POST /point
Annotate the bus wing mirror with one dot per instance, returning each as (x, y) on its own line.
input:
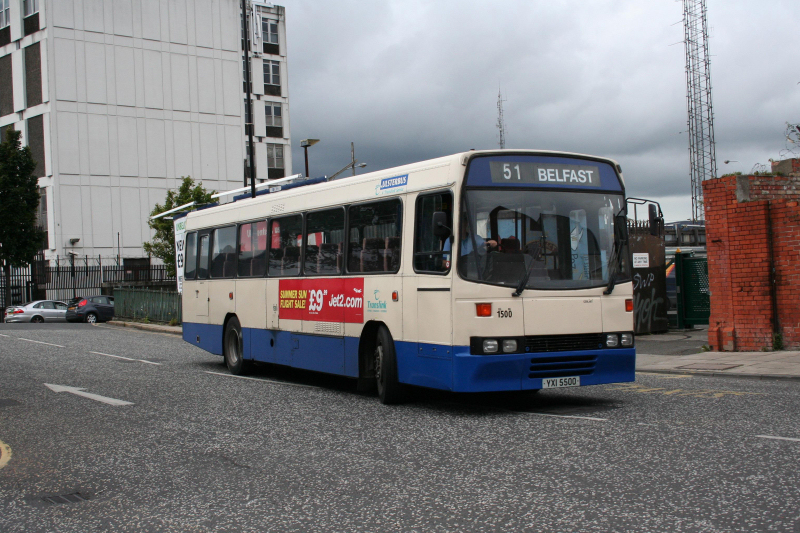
(440, 228)
(656, 221)
(620, 227)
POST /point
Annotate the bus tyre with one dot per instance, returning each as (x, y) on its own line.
(389, 389)
(232, 347)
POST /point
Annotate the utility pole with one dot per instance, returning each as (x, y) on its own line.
(702, 151)
(248, 108)
(353, 157)
(501, 125)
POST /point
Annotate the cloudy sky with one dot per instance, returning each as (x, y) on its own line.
(412, 80)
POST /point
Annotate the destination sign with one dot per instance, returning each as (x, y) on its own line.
(551, 174)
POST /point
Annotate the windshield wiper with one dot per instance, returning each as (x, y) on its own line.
(524, 281)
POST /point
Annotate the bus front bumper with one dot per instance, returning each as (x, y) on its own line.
(513, 372)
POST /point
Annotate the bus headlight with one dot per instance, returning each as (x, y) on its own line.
(509, 345)
(626, 339)
(490, 346)
(612, 340)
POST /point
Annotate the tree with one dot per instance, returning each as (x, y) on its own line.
(20, 239)
(163, 243)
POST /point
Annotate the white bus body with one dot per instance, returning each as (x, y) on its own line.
(365, 284)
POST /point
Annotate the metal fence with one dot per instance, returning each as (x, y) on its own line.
(63, 282)
(158, 306)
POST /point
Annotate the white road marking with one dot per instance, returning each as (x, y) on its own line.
(80, 392)
(571, 416)
(777, 438)
(41, 342)
(1, 335)
(262, 380)
(126, 358)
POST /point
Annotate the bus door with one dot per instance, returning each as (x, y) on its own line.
(201, 287)
(432, 260)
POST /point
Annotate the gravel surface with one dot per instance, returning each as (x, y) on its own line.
(284, 450)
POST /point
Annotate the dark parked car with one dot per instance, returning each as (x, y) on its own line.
(91, 309)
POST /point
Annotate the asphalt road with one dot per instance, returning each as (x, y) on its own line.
(200, 450)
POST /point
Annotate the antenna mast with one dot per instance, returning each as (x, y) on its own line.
(501, 124)
(702, 153)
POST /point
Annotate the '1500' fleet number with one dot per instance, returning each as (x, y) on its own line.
(504, 313)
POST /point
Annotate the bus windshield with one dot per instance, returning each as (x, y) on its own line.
(564, 238)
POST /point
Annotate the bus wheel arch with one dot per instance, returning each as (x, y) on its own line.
(232, 344)
(378, 362)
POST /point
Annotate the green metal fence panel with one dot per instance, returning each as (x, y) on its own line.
(139, 304)
(694, 301)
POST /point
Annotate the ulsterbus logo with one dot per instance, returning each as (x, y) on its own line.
(392, 185)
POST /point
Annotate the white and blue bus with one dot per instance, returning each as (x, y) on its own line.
(481, 271)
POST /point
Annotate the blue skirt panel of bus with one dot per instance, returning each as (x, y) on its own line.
(426, 365)
(205, 336)
(333, 355)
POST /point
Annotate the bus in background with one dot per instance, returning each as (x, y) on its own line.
(481, 271)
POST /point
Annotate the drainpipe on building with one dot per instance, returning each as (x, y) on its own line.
(249, 103)
(773, 297)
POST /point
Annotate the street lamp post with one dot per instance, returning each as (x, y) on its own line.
(305, 143)
(353, 164)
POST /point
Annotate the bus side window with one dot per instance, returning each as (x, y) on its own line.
(190, 262)
(252, 260)
(431, 252)
(202, 269)
(223, 254)
(323, 241)
(375, 231)
(285, 242)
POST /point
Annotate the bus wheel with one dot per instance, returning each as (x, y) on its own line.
(389, 389)
(232, 347)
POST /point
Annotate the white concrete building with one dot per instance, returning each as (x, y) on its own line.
(120, 98)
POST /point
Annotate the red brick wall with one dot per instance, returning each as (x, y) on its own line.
(743, 237)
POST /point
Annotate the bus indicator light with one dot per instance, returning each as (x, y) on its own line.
(483, 309)
(628, 305)
(395, 296)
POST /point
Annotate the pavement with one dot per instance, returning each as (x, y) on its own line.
(675, 352)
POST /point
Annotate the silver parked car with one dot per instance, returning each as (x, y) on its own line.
(38, 311)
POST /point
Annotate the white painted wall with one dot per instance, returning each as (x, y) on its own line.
(139, 98)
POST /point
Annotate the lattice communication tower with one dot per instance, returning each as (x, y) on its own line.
(501, 124)
(702, 153)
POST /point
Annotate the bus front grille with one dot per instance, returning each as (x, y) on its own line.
(562, 366)
(564, 343)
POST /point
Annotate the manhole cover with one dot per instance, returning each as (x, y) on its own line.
(75, 497)
(708, 366)
(6, 402)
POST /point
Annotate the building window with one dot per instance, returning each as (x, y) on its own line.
(248, 118)
(274, 119)
(244, 76)
(275, 155)
(33, 75)
(269, 36)
(6, 86)
(273, 114)
(29, 7)
(269, 29)
(272, 78)
(5, 15)
(41, 212)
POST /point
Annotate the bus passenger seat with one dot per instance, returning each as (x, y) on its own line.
(229, 266)
(510, 245)
(371, 253)
(312, 258)
(328, 259)
(391, 255)
(290, 264)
